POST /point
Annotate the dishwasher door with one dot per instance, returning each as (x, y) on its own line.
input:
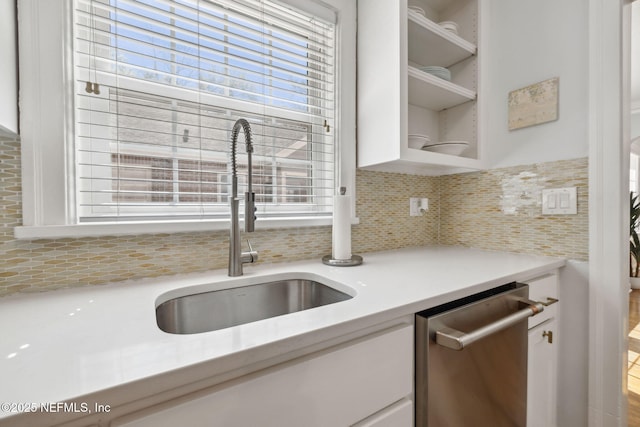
(471, 360)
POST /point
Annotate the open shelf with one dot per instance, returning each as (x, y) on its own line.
(396, 98)
(434, 93)
(422, 162)
(445, 47)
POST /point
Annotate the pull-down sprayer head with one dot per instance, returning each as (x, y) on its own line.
(249, 207)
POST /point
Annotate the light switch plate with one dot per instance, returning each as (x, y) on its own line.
(560, 201)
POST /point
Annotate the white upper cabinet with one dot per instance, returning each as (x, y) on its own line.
(8, 70)
(401, 94)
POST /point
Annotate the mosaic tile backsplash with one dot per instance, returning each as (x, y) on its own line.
(501, 209)
(497, 210)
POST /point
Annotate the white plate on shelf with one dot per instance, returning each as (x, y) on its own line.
(449, 26)
(437, 71)
(418, 10)
(454, 148)
(417, 141)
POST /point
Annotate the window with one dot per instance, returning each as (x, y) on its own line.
(126, 118)
(159, 85)
(633, 173)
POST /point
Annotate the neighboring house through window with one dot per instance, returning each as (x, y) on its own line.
(159, 85)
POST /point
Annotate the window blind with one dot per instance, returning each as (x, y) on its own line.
(159, 85)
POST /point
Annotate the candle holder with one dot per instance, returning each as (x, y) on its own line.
(353, 261)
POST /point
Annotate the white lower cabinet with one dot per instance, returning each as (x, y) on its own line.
(541, 372)
(340, 386)
(543, 356)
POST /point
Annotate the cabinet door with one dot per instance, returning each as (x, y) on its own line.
(541, 375)
(336, 387)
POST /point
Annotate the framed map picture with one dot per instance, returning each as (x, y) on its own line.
(534, 104)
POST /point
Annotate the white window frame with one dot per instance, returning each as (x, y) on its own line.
(634, 167)
(46, 122)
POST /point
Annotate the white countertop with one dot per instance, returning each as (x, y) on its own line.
(66, 344)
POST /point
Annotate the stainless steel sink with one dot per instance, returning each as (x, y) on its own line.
(210, 311)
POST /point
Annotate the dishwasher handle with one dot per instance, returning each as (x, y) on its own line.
(457, 340)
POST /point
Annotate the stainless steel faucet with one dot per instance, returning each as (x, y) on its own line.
(236, 256)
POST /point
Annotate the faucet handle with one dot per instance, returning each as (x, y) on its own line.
(249, 257)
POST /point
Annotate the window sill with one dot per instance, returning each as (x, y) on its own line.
(164, 227)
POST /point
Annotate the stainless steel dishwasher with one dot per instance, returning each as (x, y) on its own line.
(471, 360)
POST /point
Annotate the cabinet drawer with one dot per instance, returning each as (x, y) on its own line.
(338, 386)
(542, 290)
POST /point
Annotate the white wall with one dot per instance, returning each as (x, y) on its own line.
(531, 41)
(8, 75)
(635, 124)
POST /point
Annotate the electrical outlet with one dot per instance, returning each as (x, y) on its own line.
(418, 206)
(424, 205)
